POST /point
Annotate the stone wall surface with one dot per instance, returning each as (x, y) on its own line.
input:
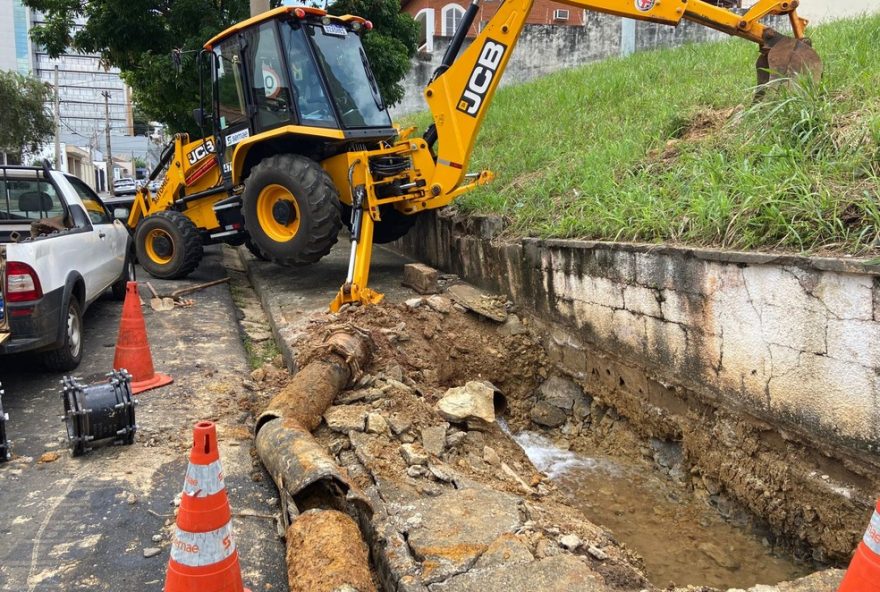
(791, 340)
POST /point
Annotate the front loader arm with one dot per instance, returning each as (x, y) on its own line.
(460, 93)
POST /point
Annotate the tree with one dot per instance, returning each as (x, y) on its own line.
(26, 123)
(138, 37)
(390, 45)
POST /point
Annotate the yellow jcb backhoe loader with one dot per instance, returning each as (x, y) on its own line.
(302, 139)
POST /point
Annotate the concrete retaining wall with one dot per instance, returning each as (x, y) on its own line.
(790, 340)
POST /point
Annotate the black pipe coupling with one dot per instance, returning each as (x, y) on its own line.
(98, 412)
(4, 443)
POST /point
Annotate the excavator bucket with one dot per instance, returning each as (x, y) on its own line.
(784, 57)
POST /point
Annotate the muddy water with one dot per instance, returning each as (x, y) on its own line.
(681, 538)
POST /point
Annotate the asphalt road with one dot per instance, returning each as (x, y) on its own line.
(77, 524)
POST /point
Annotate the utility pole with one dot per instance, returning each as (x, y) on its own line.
(90, 167)
(259, 6)
(57, 123)
(109, 158)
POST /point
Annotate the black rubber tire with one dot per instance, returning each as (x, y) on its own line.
(68, 356)
(255, 250)
(316, 199)
(186, 243)
(128, 275)
(394, 225)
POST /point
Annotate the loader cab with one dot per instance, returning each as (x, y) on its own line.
(299, 73)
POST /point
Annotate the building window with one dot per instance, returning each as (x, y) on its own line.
(452, 15)
(425, 19)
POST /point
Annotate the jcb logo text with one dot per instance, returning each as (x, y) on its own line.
(481, 77)
(200, 152)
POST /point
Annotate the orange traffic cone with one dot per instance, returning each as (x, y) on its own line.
(203, 554)
(132, 348)
(863, 574)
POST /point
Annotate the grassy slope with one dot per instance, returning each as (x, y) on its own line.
(587, 152)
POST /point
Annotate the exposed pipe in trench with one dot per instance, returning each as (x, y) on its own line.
(325, 549)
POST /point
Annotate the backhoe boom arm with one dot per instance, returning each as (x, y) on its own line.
(462, 89)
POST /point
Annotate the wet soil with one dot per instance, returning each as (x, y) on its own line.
(682, 539)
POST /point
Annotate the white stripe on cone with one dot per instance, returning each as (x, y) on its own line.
(872, 535)
(203, 480)
(198, 549)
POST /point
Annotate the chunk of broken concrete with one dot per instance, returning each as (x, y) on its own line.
(512, 326)
(413, 454)
(346, 418)
(562, 573)
(473, 403)
(507, 549)
(376, 424)
(421, 278)
(457, 527)
(398, 424)
(440, 304)
(434, 439)
(491, 457)
(491, 307)
(570, 541)
(560, 392)
(547, 415)
(413, 303)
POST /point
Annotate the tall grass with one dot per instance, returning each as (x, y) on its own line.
(611, 150)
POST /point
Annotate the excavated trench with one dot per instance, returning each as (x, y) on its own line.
(662, 487)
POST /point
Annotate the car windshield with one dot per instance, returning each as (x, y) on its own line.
(352, 84)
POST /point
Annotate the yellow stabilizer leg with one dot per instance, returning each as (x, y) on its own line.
(355, 287)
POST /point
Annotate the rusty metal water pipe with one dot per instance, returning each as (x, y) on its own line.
(325, 549)
(338, 365)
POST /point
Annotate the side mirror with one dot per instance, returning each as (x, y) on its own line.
(199, 116)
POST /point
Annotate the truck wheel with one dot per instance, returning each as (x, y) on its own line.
(394, 225)
(168, 245)
(255, 250)
(128, 275)
(68, 356)
(291, 210)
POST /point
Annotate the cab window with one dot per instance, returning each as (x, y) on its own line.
(268, 78)
(311, 98)
(230, 90)
(352, 83)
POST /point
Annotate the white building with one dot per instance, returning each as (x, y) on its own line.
(15, 44)
(82, 80)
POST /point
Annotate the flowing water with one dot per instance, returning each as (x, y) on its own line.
(681, 538)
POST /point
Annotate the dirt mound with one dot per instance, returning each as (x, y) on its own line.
(702, 126)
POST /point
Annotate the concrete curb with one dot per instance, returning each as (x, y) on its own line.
(273, 313)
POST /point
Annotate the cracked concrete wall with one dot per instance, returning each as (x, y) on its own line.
(791, 340)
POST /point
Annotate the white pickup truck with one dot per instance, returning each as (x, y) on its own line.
(59, 250)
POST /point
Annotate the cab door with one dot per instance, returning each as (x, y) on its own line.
(108, 245)
(232, 119)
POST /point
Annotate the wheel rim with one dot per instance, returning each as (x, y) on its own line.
(159, 246)
(74, 332)
(278, 213)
